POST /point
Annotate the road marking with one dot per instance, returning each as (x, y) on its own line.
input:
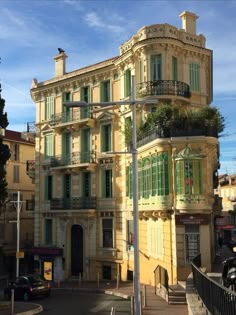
(101, 306)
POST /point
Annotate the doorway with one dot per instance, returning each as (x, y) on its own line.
(77, 250)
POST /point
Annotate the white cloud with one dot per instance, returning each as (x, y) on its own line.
(94, 20)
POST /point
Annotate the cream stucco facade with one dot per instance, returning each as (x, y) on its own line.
(83, 179)
(22, 148)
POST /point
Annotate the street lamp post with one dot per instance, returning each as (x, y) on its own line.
(18, 205)
(133, 102)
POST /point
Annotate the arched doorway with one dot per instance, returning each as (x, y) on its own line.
(77, 250)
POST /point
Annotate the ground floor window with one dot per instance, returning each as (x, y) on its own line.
(192, 242)
(107, 233)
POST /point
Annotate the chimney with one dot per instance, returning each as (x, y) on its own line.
(60, 63)
(189, 22)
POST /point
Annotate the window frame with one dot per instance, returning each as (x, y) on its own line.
(107, 231)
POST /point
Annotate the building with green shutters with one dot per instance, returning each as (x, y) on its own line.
(84, 181)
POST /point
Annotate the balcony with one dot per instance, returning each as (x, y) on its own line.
(30, 204)
(30, 169)
(177, 128)
(76, 159)
(163, 88)
(64, 120)
(75, 203)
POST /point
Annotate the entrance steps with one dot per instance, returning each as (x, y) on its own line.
(177, 294)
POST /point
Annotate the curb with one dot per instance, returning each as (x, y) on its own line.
(108, 292)
(38, 309)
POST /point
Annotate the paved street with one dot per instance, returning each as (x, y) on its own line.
(73, 302)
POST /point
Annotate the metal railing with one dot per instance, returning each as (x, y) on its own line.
(70, 116)
(71, 159)
(29, 205)
(163, 87)
(76, 203)
(161, 278)
(177, 128)
(217, 299)
(30, 166)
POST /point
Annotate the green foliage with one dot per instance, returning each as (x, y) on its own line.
(167, 120)
(4, 154)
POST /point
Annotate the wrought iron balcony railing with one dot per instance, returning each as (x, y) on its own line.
(30, 204)
(30, 166)
(176, 128)
(163, 87)
(74, 158)
(75, 203)
(67, 117)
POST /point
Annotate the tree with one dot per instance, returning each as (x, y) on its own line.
(4, 154)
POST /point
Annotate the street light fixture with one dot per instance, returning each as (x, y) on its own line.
(133, 102)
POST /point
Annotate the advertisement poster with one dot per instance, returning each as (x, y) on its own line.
(47, 267)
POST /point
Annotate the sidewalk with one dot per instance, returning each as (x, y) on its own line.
(154, 303)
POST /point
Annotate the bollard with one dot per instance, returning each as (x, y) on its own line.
(132, 305)
(98, 280)
(113, 311)
(117, 280)
(12, 301)
(58, 284)
(144, 296)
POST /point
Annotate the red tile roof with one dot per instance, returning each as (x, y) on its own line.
(17, 136)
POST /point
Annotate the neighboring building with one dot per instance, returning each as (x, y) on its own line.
(22, 147)
(83, 191)
(226, 222)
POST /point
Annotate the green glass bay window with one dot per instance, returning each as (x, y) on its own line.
(189, 177)
(153, 176)
(189, 171)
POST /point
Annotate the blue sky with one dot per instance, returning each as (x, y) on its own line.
(91, 31)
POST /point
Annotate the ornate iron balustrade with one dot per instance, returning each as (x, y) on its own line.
(66, 117)
(30, 166)
(31, 128)
(163, 87)
(76, 203)
(30, 204)
(177, 128)
(73, 159)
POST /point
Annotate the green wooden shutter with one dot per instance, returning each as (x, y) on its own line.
(86, 184)
(66, 110)
(178, 177)
(174, 69)
(48, 231)
(102, 91)
(156, 67)
(85, 96)
(108, 92)
(127, 81)
(66, 148)
(85, 146)
(194, 77)
(154, 175)
(48, 143)
(67, 191)
(140, 71)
